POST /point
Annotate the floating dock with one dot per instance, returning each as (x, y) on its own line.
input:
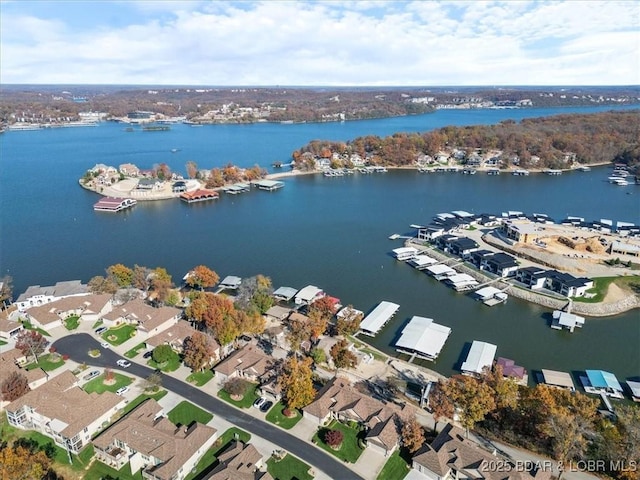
(200, 195)
(378, 317)
(113, 204)
(480, 355)
(423, 338)
(269, 185)
(237, 188)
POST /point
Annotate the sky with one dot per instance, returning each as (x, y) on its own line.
(328, 43)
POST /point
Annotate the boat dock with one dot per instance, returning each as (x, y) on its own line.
(491, 296)
(268, 185)
(423, 338)
(237, 188)
(200, 195)
(378, 317)
(112, 204)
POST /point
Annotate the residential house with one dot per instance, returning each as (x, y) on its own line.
(452, 455)
(463, 247)
(11, 362)
(149, 184)
(61, 410)
(249, 363)
(129, 170)
(175, 335)
(339, 400)
(8, 328)
(511, 370)
(239, 462)
(88, 307)
(179, 186)
(150, 320)
(532, 277)
(151, 444)
(36, 295)
(500, 263)
(566, 284)
(521, 231)
(275, 336)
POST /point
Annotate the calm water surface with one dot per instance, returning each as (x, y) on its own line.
(331, 232)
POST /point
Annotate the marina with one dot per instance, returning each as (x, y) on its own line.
(379, 316)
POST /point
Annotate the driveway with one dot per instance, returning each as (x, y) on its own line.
(78, 345)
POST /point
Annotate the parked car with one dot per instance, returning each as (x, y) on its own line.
(147, 354)
(266, 406)
(258, 403)
(122, 390)
(105, 344)
(101, 330)
(123, 363)
(92, 374)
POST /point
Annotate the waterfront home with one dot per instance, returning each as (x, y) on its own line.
(113, 204)
(285, 294)
(175, 335)
(566, 284)
(52, 315)
(405, 253)
(566, 320)
(378, 317)
(521, 231)
(179, 187)
(499, 263)
(64, 412)
(308, 295)
(36, 295)
(423, 337)
(12, 361)
(129, 170)
(249, 362)
(152, 444)
(532, 277)
(339, 400)
(239, 462)
(147, 184)
(601, 382)
(511, 370)
(557, 379)
(462, 247)
(8, 328)
(148, 319)
(479, 357)
(277, 313)
(452, 455)
(230, 282)
(488, 220)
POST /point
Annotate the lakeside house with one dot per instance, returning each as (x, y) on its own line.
(511, 370)
(148, 319)
(12, 361)
(89, 307)
(64, 412)
(175, 336)
(36, 295)
(152, 444)
(9, 329)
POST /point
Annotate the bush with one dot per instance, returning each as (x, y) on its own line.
(334, 438)
(236, 386)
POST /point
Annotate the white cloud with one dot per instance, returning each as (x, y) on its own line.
(332, 43)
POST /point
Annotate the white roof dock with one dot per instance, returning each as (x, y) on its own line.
(566, 320)
(557, 379)
(405, 253)
(486, 292)
(424, 337)
(635, 390)
(269, 185)
(308, 294)
(230, 282)
(480, 355)
(380, 315)
(421, 262)
(461, 281)
(285, 293)
(440, 271)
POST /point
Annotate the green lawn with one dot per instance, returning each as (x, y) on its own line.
(276, 417)
(395, 468)
(120, 334)
(200, 378)
(97, 384)
(2, 342)
(141, 398)
(172, 365)
(97, 324)
(28, 326)
(246, 401)
(185, 413)
(289, 468)
(209, 459)
(601, 285)
(349, 451)
(45, 362)
(99, 470)
(72, 322)
(134, 351)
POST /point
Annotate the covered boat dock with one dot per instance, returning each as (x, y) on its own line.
(422, 337)
(480, 355)
(269, 185)
(380, 315)
(557, 379)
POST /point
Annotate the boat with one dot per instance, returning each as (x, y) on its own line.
(584, 169)
(174, 150)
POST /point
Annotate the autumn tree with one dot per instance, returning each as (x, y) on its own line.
(6, 290)
(197, 307)
(236, 386)
(325, 306)
(251, 323)
(215, 178)
(140, 277)
(192, 169)
(161, 284)
(334, 438)
(255, 294)
(349, 323)
(162, 171)
(31, 342)
(109, 375)
(19, 463)
(199, 350)
(201, 277)
(120, 274)
(319, 356)
(14, 386)
(472, 399)
(342, 356)
(299, 331)
(100, 284)
(296, 382)
(412, 435)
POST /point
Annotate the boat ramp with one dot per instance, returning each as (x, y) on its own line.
(378, 317)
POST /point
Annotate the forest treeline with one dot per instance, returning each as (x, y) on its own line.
(547, 142)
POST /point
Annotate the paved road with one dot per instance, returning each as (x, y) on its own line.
(78, 345)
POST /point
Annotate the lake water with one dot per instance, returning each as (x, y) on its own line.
(330, 232)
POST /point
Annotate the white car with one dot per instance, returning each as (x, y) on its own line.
(105, 344)
(122, 390)
(123, 363)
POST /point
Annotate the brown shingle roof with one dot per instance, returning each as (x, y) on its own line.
(175, 335)
(238, 462)
(146, 315)
(144, 430)
(52, 311)
(248, 359)
(8, 365)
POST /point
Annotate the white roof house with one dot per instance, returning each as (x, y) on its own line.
(423, 336)
(480, 355)
(308, 294)
(378, 317)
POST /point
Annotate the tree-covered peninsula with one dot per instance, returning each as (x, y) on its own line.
(557, 142)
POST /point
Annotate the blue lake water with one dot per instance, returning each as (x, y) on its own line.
(330, 232)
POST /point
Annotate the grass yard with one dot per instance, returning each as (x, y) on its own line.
(47, 362)
(276, 417)
(200, 378)
(97, 384)
(185, 413)
(28, 326)
(99, 470)
(120, 334)
(134, 351)
(171, 366)
(97, 324)
(601, 285)
(209, 459)
(395, 468)
(72, 322)
(349, 451)
(289, 468)
(141, 398)
(247, 400)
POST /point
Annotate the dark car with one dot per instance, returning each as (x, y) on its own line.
(147, 355)
(266, 406)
